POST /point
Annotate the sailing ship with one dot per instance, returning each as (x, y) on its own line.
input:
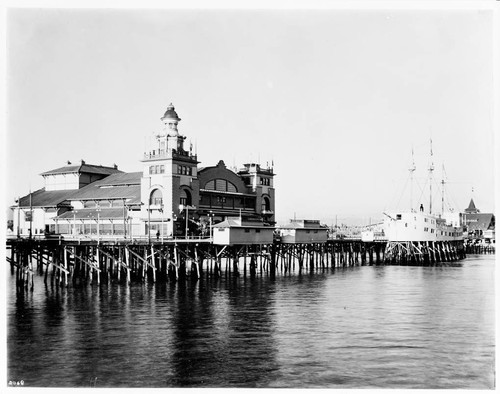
(416, 225)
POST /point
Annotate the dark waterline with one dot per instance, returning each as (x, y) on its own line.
(358, 327)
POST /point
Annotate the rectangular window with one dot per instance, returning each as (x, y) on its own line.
(151, 170)
(247, 230)
(162, 169)
(257, 230)
(398, 217)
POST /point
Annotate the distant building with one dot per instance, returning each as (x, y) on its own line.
(170, 196)
(479, 225)
(235, 231)
(303, 231)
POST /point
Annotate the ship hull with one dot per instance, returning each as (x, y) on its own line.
(419, 227)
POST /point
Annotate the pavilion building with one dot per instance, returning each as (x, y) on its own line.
(479, 225)
(171, 196)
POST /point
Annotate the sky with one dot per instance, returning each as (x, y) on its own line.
(336, 99)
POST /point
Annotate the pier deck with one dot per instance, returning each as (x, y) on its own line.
(74, 260)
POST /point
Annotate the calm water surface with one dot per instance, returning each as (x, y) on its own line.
(360, 327)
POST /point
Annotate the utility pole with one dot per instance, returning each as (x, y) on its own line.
(98, 210)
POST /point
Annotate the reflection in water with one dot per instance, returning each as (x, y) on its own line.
(358, 327)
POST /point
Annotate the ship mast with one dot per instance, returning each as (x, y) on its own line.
(442, 193)
(412, 170)
(431, 169)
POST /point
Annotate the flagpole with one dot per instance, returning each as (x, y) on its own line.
(31, 215)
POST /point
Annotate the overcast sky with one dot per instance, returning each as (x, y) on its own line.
(336, 99)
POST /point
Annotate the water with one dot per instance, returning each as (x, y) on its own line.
(359, 327)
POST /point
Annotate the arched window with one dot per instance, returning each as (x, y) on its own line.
(266, 204)
(156, 197)
(186, 197)
(221, 185)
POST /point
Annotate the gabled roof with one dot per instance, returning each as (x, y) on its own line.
(116, 186)
(472, 207)
(82, 168)
(479, 221)
(44, 199)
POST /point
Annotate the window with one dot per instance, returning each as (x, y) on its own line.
(231, 188)
(162, 169)
(221, 200)
(257, 230)
(398, 216)
(247, 230)
(221, 185)
(184, 170)
(266, 204)
(185, 198)
(156, 197)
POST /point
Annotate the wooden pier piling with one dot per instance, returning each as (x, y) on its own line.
(76, 262)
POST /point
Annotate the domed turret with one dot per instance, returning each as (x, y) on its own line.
(170, 113)
(171, 119)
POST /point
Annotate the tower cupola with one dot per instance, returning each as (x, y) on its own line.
(171, 120)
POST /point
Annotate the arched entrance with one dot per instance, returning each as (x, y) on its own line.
(186, 198)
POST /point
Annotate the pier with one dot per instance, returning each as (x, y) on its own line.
(65, 262)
